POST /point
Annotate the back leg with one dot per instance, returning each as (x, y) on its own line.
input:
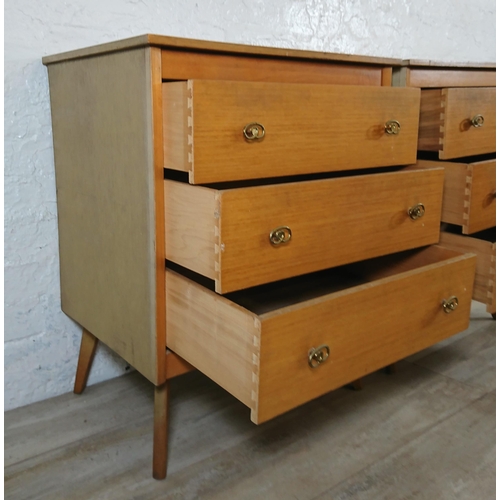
(87, 351)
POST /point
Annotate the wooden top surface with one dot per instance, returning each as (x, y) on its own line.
(169, 42)
(448, 64)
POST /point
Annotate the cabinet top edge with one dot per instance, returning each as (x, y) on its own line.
(422, 63)
(176, 43)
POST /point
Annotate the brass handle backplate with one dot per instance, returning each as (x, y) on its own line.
(318, 355)
(254, 131)
(282, 234)
(449, 305)
(392, 127)
(477, 121)
(416, 211)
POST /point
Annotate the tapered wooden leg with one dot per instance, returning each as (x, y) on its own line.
(357, 385)
(160, 438)
(87, 351)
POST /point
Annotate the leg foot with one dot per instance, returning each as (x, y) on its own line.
(87, 351)
(356, 385)
(160, 439)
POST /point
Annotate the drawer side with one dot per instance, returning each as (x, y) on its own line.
(485, 273)
(481, 204)
(218, 337)
(177, 127)
(192, 218)
(430, 120)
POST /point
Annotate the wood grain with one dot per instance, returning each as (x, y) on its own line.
(309, 128)
(485, 273)
(266, 362)
(429, 127)
(102, 110)
(176, 365)
(450, 77)
(469, 196)
(176, 148)
(454, 192)
(156, 107)
(160, 438)
(339, 322)
(219, 66)
(181, 44)
(445, 122)
(481, 209)
(192, 227)
(214, 335)
(333, 222)
(88, 347)
(459, 137)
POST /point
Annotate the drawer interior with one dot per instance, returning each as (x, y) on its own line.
(273, 296)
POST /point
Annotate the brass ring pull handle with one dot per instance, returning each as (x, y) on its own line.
(318, 355)
(254, 131)
(477, 121)
(392, 127)
(282, 234)
(417, 211)
(450, 305)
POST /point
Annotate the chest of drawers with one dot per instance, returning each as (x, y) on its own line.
(457, 130)
(252, 213)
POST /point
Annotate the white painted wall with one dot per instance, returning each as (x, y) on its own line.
(41, 343)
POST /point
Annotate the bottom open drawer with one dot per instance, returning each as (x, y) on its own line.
(258, 343)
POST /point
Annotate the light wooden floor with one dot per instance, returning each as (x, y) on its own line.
(426, 432)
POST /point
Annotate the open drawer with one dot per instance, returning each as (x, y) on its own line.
(224, 131)
(248, 236)
(483, 245)
(277, 346)
(469, 196)
(458, 122)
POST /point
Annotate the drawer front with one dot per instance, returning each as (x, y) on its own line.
(324, 224)
(301, 128)
(484, 247)
(365, 329)
(256, 343)
(481, 212)
(458, 122)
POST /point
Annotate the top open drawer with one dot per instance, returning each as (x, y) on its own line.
(458, 122)
(222, 130)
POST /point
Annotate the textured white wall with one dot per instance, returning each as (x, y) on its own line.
(41, 343)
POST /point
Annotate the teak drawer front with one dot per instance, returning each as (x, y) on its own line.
(262, 357)
(483, 245)
(308, 128)
(469, 196)
(226, 234)
(458, 122)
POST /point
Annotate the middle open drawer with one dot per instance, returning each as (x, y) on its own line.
(248, 236)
